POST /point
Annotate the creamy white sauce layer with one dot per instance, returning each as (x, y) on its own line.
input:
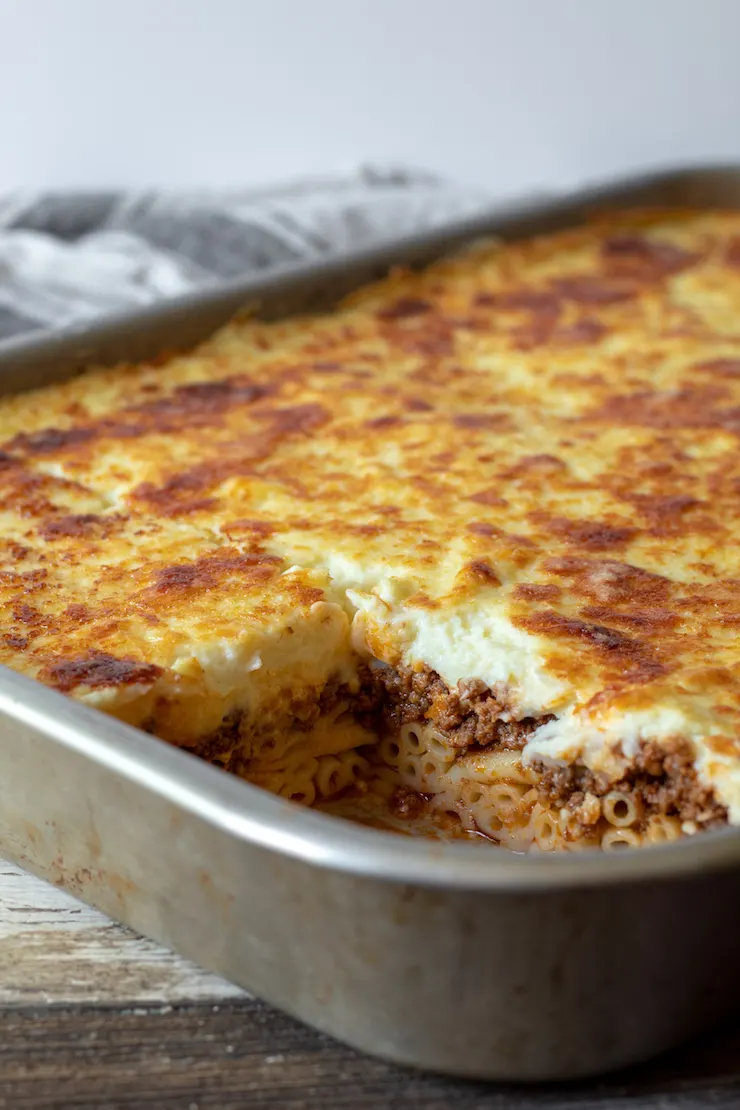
(258, 673)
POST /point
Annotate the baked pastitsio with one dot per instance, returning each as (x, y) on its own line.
(460, 557)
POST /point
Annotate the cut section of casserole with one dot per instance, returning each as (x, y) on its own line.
(460, 557)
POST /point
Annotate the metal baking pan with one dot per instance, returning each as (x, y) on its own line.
(446, 956)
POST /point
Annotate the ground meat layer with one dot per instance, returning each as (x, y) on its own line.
(240, 735)
(661, 779)
(470, 715)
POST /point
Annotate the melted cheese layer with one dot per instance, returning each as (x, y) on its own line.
(520, 466)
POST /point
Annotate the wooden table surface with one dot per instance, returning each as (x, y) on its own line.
(95, 1016)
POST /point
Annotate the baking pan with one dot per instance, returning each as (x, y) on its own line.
(452, 957)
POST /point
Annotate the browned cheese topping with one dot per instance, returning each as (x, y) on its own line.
(523, 463)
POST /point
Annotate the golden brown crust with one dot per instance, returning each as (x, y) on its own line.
(552, 424)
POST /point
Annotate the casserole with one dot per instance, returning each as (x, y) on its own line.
(594, 949)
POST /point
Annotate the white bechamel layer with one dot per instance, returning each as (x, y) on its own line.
(460, 643)
(258, 672)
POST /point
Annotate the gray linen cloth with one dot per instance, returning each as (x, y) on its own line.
(67, 257)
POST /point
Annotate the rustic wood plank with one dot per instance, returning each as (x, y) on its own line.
(55, 949)
(242, 1053)
(170, 1035)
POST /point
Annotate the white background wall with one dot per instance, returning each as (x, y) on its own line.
(506, 93)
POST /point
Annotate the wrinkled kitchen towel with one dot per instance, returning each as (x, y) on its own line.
(66, 257)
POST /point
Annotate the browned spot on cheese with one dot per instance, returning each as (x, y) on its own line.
(430, 344)
(367, 529)
(30, 494)
(404, 308)
(543, 463)
(536, 591)
(666, 513)
(325, 366)
(649, 621)
(97, 669)
(480, 570)
(74, 525)
(634, 656)
(205, 397)
(207, 572)
(540, 302)
(422, 600)
(488, 497)
(26, 613)
(77, 613)
(261, 528)
(180, 494)
(417, 404)
(544, 325)
(691, 407)
(732, 252)
(295, 418)
(483, 421)
(585, 330)
(48, 440)
(550, 623)
(537, 333)
(197, 404)
(645, 259)
(592, 535)
(482, 528)
(537, 313)
(17, 551)
(610, 581)
(592, 289)
(720, 368)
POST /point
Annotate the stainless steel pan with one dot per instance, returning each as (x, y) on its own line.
(446, 956)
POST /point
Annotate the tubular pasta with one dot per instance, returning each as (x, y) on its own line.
(620, 838)
(336, 772)
(272, 747)
(384, 780)
(410, 768)
(412, 739)
(487, 821)
(661, 828)
(545, 831)
(298, 774)
(439, 747)
(331, 776)
(489, 793)
(389, 750)
(492, 766)
(620, 809)
(506, 795)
